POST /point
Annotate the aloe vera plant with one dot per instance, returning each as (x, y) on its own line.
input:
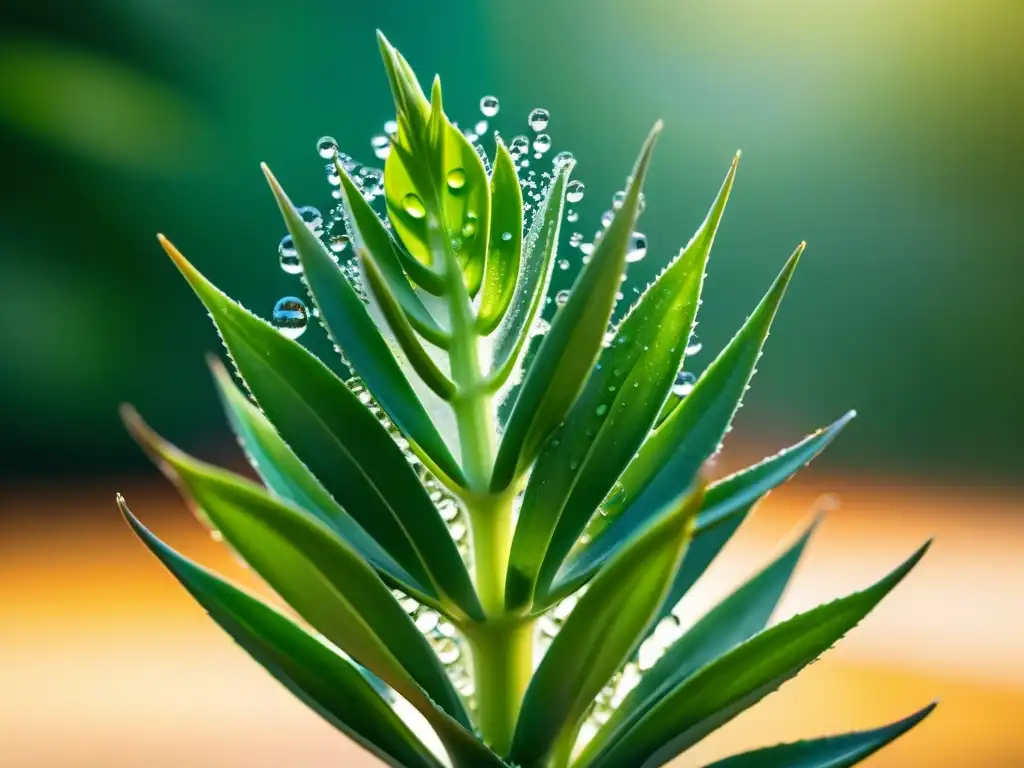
(508, 579)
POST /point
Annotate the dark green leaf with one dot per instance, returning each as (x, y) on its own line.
(611, 418)
(316, 674)
(569, 350)
(314, 571)
(674, 452)
(506, 242)
(603, 630)
(727, 500)
(398, 321)
(830, 752)
(739, 617)
(353, 330)
(740, 678)
(342, 443)
(531, 283)
(285, 475)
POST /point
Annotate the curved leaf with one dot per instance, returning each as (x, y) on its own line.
(603, 630)
(830, 752)
(730, 497)
(341, 442)
(743, 676)
(506, 242)
(612, 416)
(327, 683)
(353, 330)
(570, 349)
(739, 617)
(313, 570)
(285, 475)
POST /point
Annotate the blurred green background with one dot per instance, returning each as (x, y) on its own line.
(887, 133)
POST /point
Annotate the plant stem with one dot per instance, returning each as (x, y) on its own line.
(502, 666)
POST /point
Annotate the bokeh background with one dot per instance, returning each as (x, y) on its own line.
(887, 133)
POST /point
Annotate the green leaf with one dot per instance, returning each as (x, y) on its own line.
(727, 500)
(398, 321)
(830, 752)
(321, 678)
(612, 417)
(353, 330)
(342, 443)
(531, 283)
(506, 242)
(743, 676)
(603, 630)
(736, 619)
(285, 475)
(369, 231)
(674, 452)
(570, 349)
(313, 570)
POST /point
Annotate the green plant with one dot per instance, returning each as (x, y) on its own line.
(590, 497)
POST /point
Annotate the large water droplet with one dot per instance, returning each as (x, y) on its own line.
(562, 297)
(684, 384)
(694, 348)
(506, 236)
(469, 226)
(561, 159)
(542, 143)
(338, 243)
(637, 247)
(289, 256)
(381, 146)
(290, 317)
(538, 119)
(618, 199)
(489, 106)
(456, 179)
(327, 147)
(574, 191)
(414, 206)
(518, 146)
(575, 239)
(312, 217)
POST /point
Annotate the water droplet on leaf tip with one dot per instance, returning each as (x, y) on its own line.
(327, 147)
(290, 316)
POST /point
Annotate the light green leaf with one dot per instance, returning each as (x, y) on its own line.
(285, 475)
(728, 499)
(692, 432)
(741, 677)
(342, 443)
(736, 619)
(398, 321)
(321, 678)
(353, 330)
(506, 242)
(603, 630)
(611, 418)
(531, 283)
(569, 350)
(830, 752)
(313, 570)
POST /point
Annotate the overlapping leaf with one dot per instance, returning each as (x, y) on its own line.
(572, 345)
(506, 242)
(611, 417)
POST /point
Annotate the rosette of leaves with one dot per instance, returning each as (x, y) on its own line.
(587, 491)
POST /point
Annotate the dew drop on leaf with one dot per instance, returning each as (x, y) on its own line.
(312, 217)
(456, 179)
(637, 247)
(562, 297)
(338, 243)
(518, 146)
(290, 317)
(576, 239)
(574, 191)
(684, 384)
(618, 199)
(289, 256)
(489, 106)
(327, 147)
(381, 146)
(542, 143)
(606, 218)
(563, 264)
(413, 206)
(506, 236)
(572, 217)
(538, 119)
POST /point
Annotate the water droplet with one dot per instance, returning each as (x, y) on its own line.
(694, 348)
(333, 177)
(637, 247)
(447, 651)
(414, 206)
(606, 218)
(561, 159)
(574, 191)
(381, 146)
(542, 143)
(562, 297)
(538, 119)
(601, 410)
(575, 239)
(489, 106)
(480, 128)
(312, 217)
(618, 199)
(456, 243)
(518, 146)
(572, 217)
(426, 620)
(327, 147)
(289, 256)
(391, 127)
(338, 243)
(469, 226)
(563, 264)
(506, 236)
(586, 249)
(684, 384)
(290, 317)
(456, 179)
